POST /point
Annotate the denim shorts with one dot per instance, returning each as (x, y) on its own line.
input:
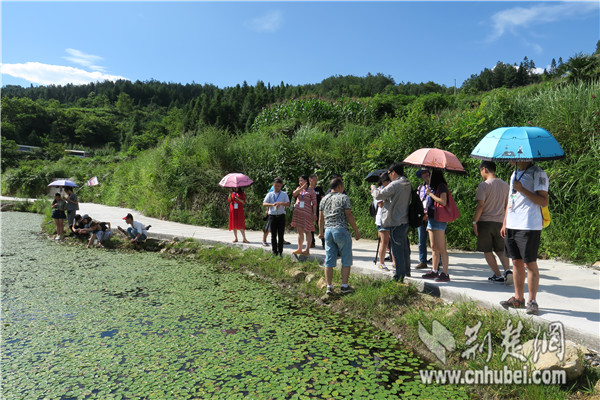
(382, 229)
(433, 225)
(338, 241)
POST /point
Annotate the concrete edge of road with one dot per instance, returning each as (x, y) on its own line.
(445, 293)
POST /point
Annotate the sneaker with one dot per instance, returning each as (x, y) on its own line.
(265, 244)
(532, 307)
(383, 267)
(329, 291)
(286, 242)
(443, 278)
(421, 265)
(346, 290)
(495, 278)
(508, 277)
(513, 303)
(430, 275)
(57, 237)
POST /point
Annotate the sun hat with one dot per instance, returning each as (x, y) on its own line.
(420, 172)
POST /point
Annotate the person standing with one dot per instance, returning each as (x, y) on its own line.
(422, 230)
(382, 232)
(58, 214)
(277, 201)
(336, 213)
(394, 216)
(492, 197)
(522, 228)
(237, 219)
(305, 213)
(313, 180)
(72, 205)
(438, 192)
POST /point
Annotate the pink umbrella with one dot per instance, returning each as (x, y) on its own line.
(235, 179)
(435, 158)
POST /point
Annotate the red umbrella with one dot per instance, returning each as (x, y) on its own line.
(435, 158)
(235, 179)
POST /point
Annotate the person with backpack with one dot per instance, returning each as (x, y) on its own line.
(396, 197)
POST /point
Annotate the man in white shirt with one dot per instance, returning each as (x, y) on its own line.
(522, 229)
(136, 232)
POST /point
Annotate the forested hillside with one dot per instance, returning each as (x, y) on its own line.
(162, 148)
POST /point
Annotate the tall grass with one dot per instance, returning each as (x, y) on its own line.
(178, 179)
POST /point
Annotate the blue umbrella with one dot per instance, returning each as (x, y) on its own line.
(527, 143)
(63, 182)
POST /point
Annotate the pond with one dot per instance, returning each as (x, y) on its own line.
(94, 323)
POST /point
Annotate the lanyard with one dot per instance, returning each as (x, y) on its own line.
(277, 198)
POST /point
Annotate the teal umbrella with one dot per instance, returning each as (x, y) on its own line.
(525, 143)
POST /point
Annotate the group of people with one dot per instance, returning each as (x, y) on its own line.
(507, 221)
(64, 207)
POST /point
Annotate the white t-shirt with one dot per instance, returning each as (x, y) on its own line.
(139, 227)
(378, 218)
(522, 213)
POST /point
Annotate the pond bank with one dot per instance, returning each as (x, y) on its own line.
(568, 292)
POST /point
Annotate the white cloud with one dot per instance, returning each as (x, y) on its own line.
(46, 74)
(85, 60)
(270, 22)
(513, 19)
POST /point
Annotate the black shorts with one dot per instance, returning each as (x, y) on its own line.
(522, 245)
(488, 236)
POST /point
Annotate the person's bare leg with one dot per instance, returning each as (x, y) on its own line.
(345, 275)
(435, 254)
(235, 234)
(505, 261)
(329, 276)
(519, 279)
(491, 262)
(244, 236)
(533, 280)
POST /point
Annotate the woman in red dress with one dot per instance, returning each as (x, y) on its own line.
(305, 213)
(237, 199)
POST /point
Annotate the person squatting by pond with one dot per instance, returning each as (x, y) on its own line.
(394, 216)
(522, 228)
(136, 232)
(305, 213)
(336, 213)
(437, 193)
(59, 205)
(100, 232)
(277, 201)
(237, 219)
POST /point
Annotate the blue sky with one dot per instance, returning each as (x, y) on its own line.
(226, 43)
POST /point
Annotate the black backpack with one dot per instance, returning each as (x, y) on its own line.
(373, 210)
(415, 210)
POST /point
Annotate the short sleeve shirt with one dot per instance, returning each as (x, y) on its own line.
(522, 213)
(334, 206)
(71, 206)
(273, 197)
(493, 192)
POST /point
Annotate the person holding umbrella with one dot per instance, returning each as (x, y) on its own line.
(522, 228)
(237, 199)
(528, 194)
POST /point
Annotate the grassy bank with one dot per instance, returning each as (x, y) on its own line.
(177, 179)
(396, 308)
